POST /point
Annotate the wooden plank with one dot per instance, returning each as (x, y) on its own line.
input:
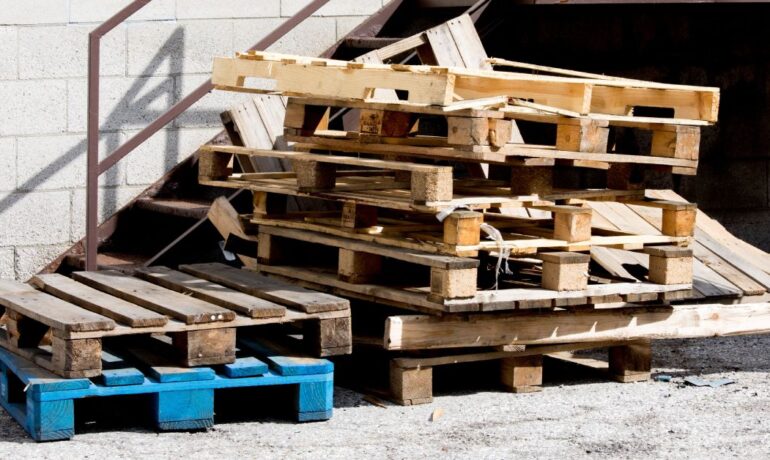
(690, 321)
(267, 288)
(97, 301)
(54, 312)
(161, 300)
(468, 43)
(248, 305)
(425, 259)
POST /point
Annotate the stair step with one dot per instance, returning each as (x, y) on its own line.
(175, 207)
(124, 262)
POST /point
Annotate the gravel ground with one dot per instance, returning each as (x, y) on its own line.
(578, 415)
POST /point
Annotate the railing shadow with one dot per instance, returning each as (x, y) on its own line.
(130, 111)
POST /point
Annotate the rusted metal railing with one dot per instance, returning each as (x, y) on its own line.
(96, 168)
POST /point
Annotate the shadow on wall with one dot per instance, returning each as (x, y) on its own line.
(130, 111)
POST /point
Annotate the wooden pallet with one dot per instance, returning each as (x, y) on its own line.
(460, 233)
(432, 85)
(62, 327)
(520, 368)
(438, 283)
(400, 185)
(179, 398)
(486, 130)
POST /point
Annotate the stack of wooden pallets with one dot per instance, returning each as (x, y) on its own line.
(174, 335)
(428, 199)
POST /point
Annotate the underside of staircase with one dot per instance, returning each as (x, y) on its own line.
(167, 223)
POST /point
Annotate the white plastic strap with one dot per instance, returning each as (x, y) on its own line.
(502, 253)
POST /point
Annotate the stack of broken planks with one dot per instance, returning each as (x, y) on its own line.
(64, 324)
(429, 200)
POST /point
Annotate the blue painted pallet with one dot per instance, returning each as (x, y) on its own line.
(183, 398)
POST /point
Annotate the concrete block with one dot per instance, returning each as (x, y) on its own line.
(31, 259)
(7, 164)
(334, 7)
(62, 52)
(175, 48)
(35, 218)
(7, 264)
(111, 199)
(33, 107)
(322, 30)
(9, 54)
(206, 9)
(57, 162)
(205, 113)
(14, 12)
(101, 10)
(126, 103)
(247, 32)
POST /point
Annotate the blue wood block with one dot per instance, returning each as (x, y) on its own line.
(122, 377)
(314, 397)
(245, 367)
(289, 365)
(50, 420)
(314, 416)
(184, 410)
(181, 374)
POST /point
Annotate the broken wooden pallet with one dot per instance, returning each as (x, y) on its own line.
(432, 85)
(200, 316)
(481, 125)
(466, 233)
(438, 283)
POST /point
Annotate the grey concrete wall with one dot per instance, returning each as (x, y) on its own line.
(148, 64)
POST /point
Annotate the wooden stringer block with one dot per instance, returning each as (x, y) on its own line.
(565, 271)
(670, 265)
(214, 165)
(522, 374)
(632, 362)
(572, 225)
(386, 123)
(358, 216)
(314, 176)
(453, 283)
(358, 267)
(528, 180)
(206, 347)
(676, 142)
(679, 222)
(75, 356)
(433, 186)
(411, 386)
(328, 337)
(583, 135)
(463, 228)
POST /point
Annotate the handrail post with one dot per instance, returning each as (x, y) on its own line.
(92, 160)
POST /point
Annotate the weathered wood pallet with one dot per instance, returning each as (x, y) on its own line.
(466, 233)
(432, 85)
(520, 368)
(482, 126)
(179, 398)
(438, 283)
(62, 327)
(405, 185)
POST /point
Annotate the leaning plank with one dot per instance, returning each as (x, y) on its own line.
(680, 322)
(97, 301)
(161, 300)
(267, 288)
(248, 305)
(54, 312)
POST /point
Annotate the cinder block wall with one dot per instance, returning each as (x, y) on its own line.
(148, 64)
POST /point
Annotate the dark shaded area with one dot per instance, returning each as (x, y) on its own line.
(721, 45)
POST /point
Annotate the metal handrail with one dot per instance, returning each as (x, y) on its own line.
(95, 168)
